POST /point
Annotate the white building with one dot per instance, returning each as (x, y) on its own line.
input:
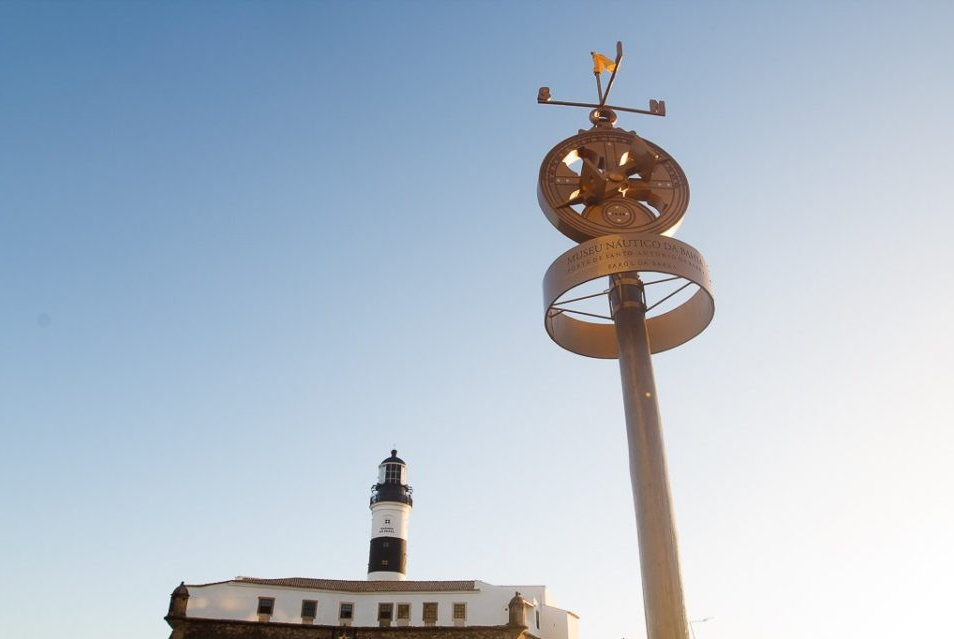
(333, 602)
(386, 599)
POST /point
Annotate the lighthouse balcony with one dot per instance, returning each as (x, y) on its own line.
(384, 495)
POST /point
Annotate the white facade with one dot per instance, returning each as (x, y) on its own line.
(484, 604)
(389, 519)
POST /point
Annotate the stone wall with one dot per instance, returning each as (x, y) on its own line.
(197, 628)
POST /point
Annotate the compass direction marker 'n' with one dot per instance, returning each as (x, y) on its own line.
(622, 198)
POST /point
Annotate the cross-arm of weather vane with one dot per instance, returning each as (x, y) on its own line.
(656, 107)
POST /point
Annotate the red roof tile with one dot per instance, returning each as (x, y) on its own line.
(356, 586)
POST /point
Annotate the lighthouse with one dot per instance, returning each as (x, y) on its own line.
(379, 608)
(390, 509)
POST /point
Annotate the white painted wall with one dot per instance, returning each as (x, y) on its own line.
(557, 623)
(486, 606)
(389, 519)
(387, 576)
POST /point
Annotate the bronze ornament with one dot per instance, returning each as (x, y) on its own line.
(608, 180)
(618, 254)
(622, 197)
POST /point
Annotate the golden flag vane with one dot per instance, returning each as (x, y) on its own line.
(602, 111)
(602, 63)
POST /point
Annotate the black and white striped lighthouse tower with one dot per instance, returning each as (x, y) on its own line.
(390, 509)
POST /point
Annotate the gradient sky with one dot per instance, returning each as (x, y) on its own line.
(246, 248)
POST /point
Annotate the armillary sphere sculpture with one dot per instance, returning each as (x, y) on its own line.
(622, 197)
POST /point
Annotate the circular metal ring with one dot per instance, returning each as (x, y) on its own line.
(622, 253)
(615, 167)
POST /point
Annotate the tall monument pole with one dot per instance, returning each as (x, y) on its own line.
(622, 197)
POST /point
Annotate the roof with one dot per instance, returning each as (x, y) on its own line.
(394, 459)
(344, 585)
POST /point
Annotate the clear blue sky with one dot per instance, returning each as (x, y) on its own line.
(246, 248)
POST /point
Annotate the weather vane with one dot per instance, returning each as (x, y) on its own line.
(625, 183)
(602, 63)
(622, 198)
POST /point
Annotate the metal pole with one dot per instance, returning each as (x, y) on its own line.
(658, 555)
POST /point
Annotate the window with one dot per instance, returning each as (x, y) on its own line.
(460, 611)
(309, 608)
(266, 605)
(392, 473)
(430, 612)
(538, 618)
(346, 611)
(384, 562)
(385, 611)
(404, 611)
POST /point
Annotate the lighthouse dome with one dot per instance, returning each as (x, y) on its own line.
(394, 459)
